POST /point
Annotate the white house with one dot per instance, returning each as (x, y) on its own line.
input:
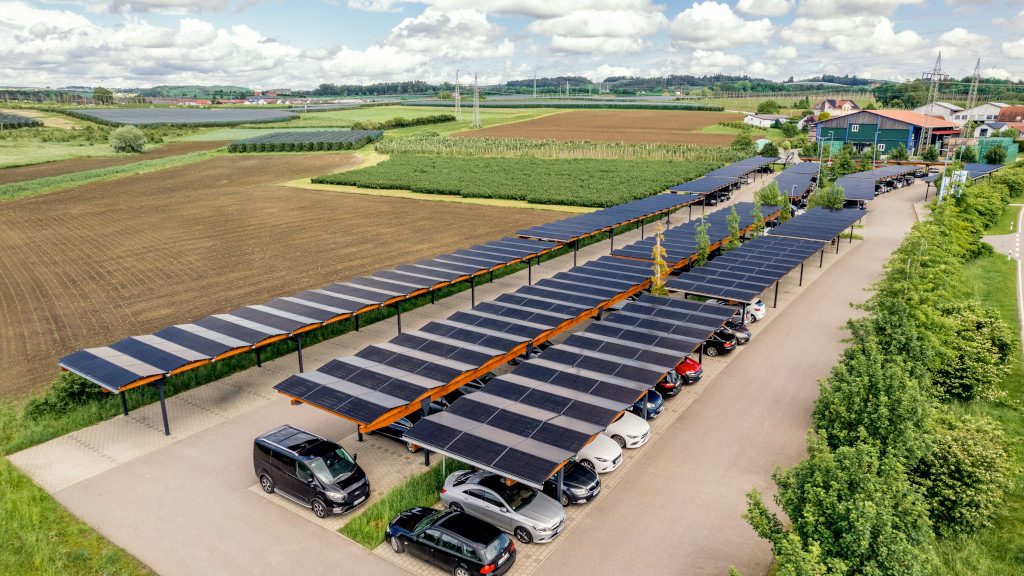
(764, 120)
(982, 113)
(988, 128)
(944, 110)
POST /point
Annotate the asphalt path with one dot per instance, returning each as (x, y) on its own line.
(678, 512)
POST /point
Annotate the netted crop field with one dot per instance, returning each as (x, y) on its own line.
(573, 182)
(9, 121)
(305, 141)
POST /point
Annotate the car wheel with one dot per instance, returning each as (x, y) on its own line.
(587, 464)
(456, 506)
(461, 571)
(620, 440)
(397, 545)
(411, 447)
(319, 508)
(565, 500)
(753, 318)
(523, 535)
(712, 351)
(267, 483)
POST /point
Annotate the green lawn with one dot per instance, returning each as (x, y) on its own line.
(1007, 223)
(22, 153)
(999, 549)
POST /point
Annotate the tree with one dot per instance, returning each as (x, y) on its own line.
(744, 143)
(127, 139)
(733, 221)
(828, 197)
(824, 116)
(770, 150)
(843, 164)
(786, 214)
(972, 352)
(103, 96)
(789, 130)
(897, 103)
(703, 242)
(660, 268)
(967, 155)
(768, 107)
(995, 155)
(769, 195)
(900, 153)
(755, 213)
(930, 154)
(871, 106)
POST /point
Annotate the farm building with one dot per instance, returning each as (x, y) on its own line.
(883, 129)
(835, 107)
(988, 128)
(1011, 114)
(943, 110)
(981, 113)
(764, 120)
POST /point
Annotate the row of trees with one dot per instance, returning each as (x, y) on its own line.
(896, 456)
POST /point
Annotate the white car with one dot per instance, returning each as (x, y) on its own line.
(629, 431)
(756, 310)
(602, 454)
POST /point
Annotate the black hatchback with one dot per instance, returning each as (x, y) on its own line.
(453, 541)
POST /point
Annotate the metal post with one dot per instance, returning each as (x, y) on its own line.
(575, 249)
(644, 405)
(529, 270)
(561, 478)
(124, 402)
(529, 350)
(776, 303)
(444, 466)
(600, 313)
(359, 433)
(837, 244)
(642, 227)
(163, 405)
(700, 354)
(689, 216)
(472, 291)
(851, 234)
(822, 260)
(259, 364)
(611, 236)
(743, 312)
(669, 218)
(298, 342)
(801, 274)
(398, 306)
(357, 322)
(432, 292)
(492, 276)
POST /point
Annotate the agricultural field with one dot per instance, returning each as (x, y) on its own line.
(90, 265)
(573, 182)
(50, 119)
(307, 141)
(142, 116)
(635, 126)
(345, 118)
(10, 121)
(62, 167)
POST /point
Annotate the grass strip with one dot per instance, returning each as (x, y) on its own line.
(418, 490)
(41, 537)
(1006, 221)
(998, 549)
(43, 185)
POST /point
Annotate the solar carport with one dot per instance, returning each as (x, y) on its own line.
(526, 424)
(978, 171)
(861, 185)
(798, 179)
(820, 224)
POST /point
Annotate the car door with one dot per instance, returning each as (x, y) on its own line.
(477, 498)
(284, 474)
(495, 505)
(425, 543)
(448, 553)
(305, 486)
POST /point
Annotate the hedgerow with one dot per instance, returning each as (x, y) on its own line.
(400, 122)
(11, 121)
(306, 141)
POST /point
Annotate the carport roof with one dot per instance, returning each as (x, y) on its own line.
(819, 223)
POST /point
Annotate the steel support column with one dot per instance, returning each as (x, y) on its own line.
(561, 479)
(575, 249)
(259, 363)
(472, 291)
(163, 405)
(822, 259)
(425, 407)
(801, 273)
(529, 270)
(357, 322)
(398, 306)
(776, 303)
(298, 342)
(124, 402)
(359, 433)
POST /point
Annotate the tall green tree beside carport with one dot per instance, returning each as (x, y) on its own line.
(733, 220)
(660, 267)
(755, 212)
(703, 242)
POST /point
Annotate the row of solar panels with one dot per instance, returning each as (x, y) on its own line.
(723, 178)
(680, 243)
(387, 379)
(583, 225)
(142, 359)
(798, 179)
(526, 424)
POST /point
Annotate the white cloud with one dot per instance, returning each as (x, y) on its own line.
(1015, 23)
(601, 23)
(375, 5)
(179, 7)
(711, 25)
(841, 8)
(712, 62)
(454, 35)
(598, 45)
(546, 8)
(782, 53)
(1014, 49)
(999, 73)
(764, 7)
(762, 70)
(960, 42)
(861, 34)
(606, 71)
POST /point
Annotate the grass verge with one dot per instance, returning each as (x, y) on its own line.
(1006, 222)
(419, 490)
(998, 549)
(43, 185)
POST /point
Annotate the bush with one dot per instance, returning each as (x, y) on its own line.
(973, 352)
(744, 143)
(967, 155)
(770, 150)
(900, 153)
(995, 155)
(930, 154)
(67, 391)
(127, 139)
(768, 107)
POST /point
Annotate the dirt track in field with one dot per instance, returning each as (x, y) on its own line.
(61, 167)
(633, 126)
(88, 266)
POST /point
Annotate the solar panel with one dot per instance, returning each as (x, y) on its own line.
(818, 223)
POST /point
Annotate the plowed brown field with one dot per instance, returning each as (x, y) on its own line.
(91, 265)
(632, 126)
(61, 167)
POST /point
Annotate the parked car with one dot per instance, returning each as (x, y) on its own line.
(709, 200)
(688, 371)
(579, 484)
(309, 470)
(396, 429)
(908, 179)
(920, 173)
(536, 352)
(756, 309)
(517, 509)
(655, 405)
(738, 331)
(453, 541)
(628, 431)
(719, 343)
(601, 455)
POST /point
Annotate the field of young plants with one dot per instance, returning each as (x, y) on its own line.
(306, 141)
(574, 182)
(8, 121)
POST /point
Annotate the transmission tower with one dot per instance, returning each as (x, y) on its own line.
(972, 99)
(933, 78)
(458, 99)
(476, 105)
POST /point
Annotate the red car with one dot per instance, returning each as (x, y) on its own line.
(688, 371)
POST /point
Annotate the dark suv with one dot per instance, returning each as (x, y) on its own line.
(453, 541)
(309, 470)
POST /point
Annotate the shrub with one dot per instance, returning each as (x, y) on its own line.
(768, 107)
(127, 139)
(769, 150)
(900, 153)
(930, 154)
(995, 155)
(67, 391)
(973, 352)
(744, 143)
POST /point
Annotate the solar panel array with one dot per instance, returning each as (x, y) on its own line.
(706, 185)
(527, 423)
(467, 344)
(757, 161)
(857, 188)
(883, 173)
(798, 179)
(139, 360)
(583, 225)
(680, 242)
(743, 273)
(977, 171)
(819, 223)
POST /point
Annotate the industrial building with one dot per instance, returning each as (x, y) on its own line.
(883, 130)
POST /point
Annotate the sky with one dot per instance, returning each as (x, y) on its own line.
(265, 44)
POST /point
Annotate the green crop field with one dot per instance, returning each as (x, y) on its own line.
(574, 182)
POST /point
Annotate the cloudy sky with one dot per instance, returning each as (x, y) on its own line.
(273, 43)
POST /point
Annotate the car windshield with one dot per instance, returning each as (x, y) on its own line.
(495, 547)
(429, 520)
(332, 466)
(518, 495)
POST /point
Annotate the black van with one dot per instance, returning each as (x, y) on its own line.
(309, 470)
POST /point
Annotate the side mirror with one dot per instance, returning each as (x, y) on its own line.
(503, 510)
(355, 457)
(311, 482)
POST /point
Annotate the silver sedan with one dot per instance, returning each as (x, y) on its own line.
(525, 513)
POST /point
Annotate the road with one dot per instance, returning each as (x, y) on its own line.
(678, 512)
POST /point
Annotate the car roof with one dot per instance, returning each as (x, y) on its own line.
(296, 440)
(470, 528)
